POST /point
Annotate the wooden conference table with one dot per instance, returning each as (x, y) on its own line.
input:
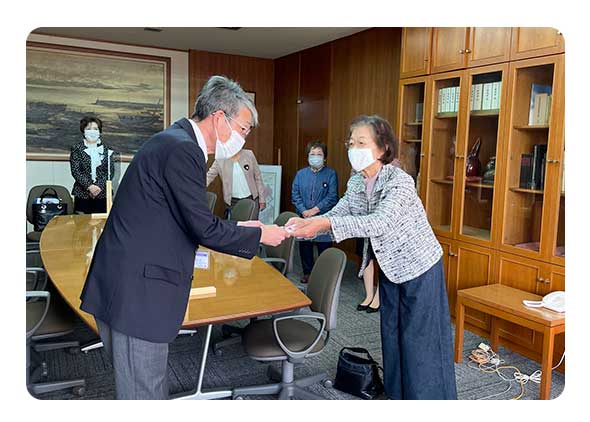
(244, 288)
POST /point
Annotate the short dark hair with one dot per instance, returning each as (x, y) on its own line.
(384, 136)
(86, 120)
(317, 144)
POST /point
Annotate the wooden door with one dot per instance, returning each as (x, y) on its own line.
(556, 279)
(447, 258)
(415, 57)
(524, 274)
(448, 49)
(488, 46)
(474, 268)
(535, 42)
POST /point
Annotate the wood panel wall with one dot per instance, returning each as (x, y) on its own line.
(336, 82)
(254, 75)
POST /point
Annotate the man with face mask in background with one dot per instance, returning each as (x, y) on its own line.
(139, 280)
(314, 191)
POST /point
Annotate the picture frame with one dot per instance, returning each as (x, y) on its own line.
(271, 179)
(129, 92)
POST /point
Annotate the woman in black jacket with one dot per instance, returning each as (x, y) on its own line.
(91, 164)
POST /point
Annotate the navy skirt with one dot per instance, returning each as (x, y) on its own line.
(416, 337)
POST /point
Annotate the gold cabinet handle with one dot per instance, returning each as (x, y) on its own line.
(422, 155)
(459, 156)
(461, 51)
(452, 254)
(543, 280)
(553, 161)
(467, 51)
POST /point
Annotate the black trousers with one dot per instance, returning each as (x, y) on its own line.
(89, 206)
(306, 252)
(416, 337)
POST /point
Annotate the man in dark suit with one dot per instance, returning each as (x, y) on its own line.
(138, 284)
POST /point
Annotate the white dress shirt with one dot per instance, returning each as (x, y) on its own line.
(200, 138)
(240, 188)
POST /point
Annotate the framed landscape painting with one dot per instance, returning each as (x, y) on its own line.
(130, 93)
(271, 179)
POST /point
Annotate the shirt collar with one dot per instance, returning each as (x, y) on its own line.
(200, 137)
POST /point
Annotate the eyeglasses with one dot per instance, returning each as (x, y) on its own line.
(356, 143)
(245, 129)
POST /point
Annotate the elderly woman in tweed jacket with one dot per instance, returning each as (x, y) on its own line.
(381, 204)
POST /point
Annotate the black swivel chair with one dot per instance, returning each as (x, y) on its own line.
(211, 200)
(288, 338)
(243, 210)
(46, 320)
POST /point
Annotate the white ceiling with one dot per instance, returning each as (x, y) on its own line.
(268, 43)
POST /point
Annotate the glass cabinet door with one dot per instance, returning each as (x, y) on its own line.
(411, 149)
(444, 135)
(532, 86)
(482, 140)
(559, 249)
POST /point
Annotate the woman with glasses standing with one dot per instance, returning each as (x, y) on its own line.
(314, 191)
(91, 165)
(381, 204)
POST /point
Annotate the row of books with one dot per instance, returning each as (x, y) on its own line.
(486, 96)
(532, 168)
(483, 97)
(540, 104)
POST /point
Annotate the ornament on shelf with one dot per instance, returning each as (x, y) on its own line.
(473, 164)
(489, 172)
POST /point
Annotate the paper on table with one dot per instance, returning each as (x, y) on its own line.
(202, 260)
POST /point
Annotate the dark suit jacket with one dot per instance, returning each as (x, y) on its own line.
(140, 276)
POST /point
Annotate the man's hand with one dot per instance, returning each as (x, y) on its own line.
(250, 223)
(94, 190)
(273, 235)
(307, 228)
(262, 205)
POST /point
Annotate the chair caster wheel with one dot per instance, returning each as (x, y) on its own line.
(79, 391)
(327, 383)
(225, 331)
(238, 398)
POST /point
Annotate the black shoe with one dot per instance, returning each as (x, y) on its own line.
(371, 310)
(361, 307)
(305, 279)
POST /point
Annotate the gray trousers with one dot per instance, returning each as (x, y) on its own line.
(140, 366)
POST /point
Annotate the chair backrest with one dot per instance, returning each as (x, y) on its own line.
(211, 199)
(324, 284)
(243, 210)
(287, 248)
(36, 192)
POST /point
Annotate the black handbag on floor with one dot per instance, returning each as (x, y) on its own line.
(358, 375)
(47, 206)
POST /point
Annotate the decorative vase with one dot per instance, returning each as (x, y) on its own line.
(489, 172)
(473, 163)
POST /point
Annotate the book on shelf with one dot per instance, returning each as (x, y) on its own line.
(539, 157)
(486, 102)
(419, 112)
(476, 93)
(451, 103)
(457, 95)
(496, 95)
(540, 109)
(526, 171)
(537, 91)
(439, 102)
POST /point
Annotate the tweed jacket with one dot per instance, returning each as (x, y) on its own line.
(393, 219)
(80, 168)
(224, 168)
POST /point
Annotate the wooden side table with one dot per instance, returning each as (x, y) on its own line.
(505, 303)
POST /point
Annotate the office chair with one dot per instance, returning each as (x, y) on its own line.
(280, 257)
(211, 200)
(243, 210)
(36, 192)
(47, 319)
(286, 338)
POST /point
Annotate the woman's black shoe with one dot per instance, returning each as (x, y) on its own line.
(371, 310)
(361, 307)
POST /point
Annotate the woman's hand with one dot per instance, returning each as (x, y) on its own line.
(310, 212)
(94, 190)
(250, 223)
(307, 228)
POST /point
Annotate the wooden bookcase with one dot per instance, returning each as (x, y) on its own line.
(494, 231)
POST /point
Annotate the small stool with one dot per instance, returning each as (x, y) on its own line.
(502, 302)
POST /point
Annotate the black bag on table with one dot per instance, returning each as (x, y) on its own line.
(44, 209)
(358, 375)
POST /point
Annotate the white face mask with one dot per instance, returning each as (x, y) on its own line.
(91, 135)
(360, 158)
(230, 147)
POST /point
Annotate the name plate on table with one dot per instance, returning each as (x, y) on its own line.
(202, 260)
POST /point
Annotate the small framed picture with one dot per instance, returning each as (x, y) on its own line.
(252, 96)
